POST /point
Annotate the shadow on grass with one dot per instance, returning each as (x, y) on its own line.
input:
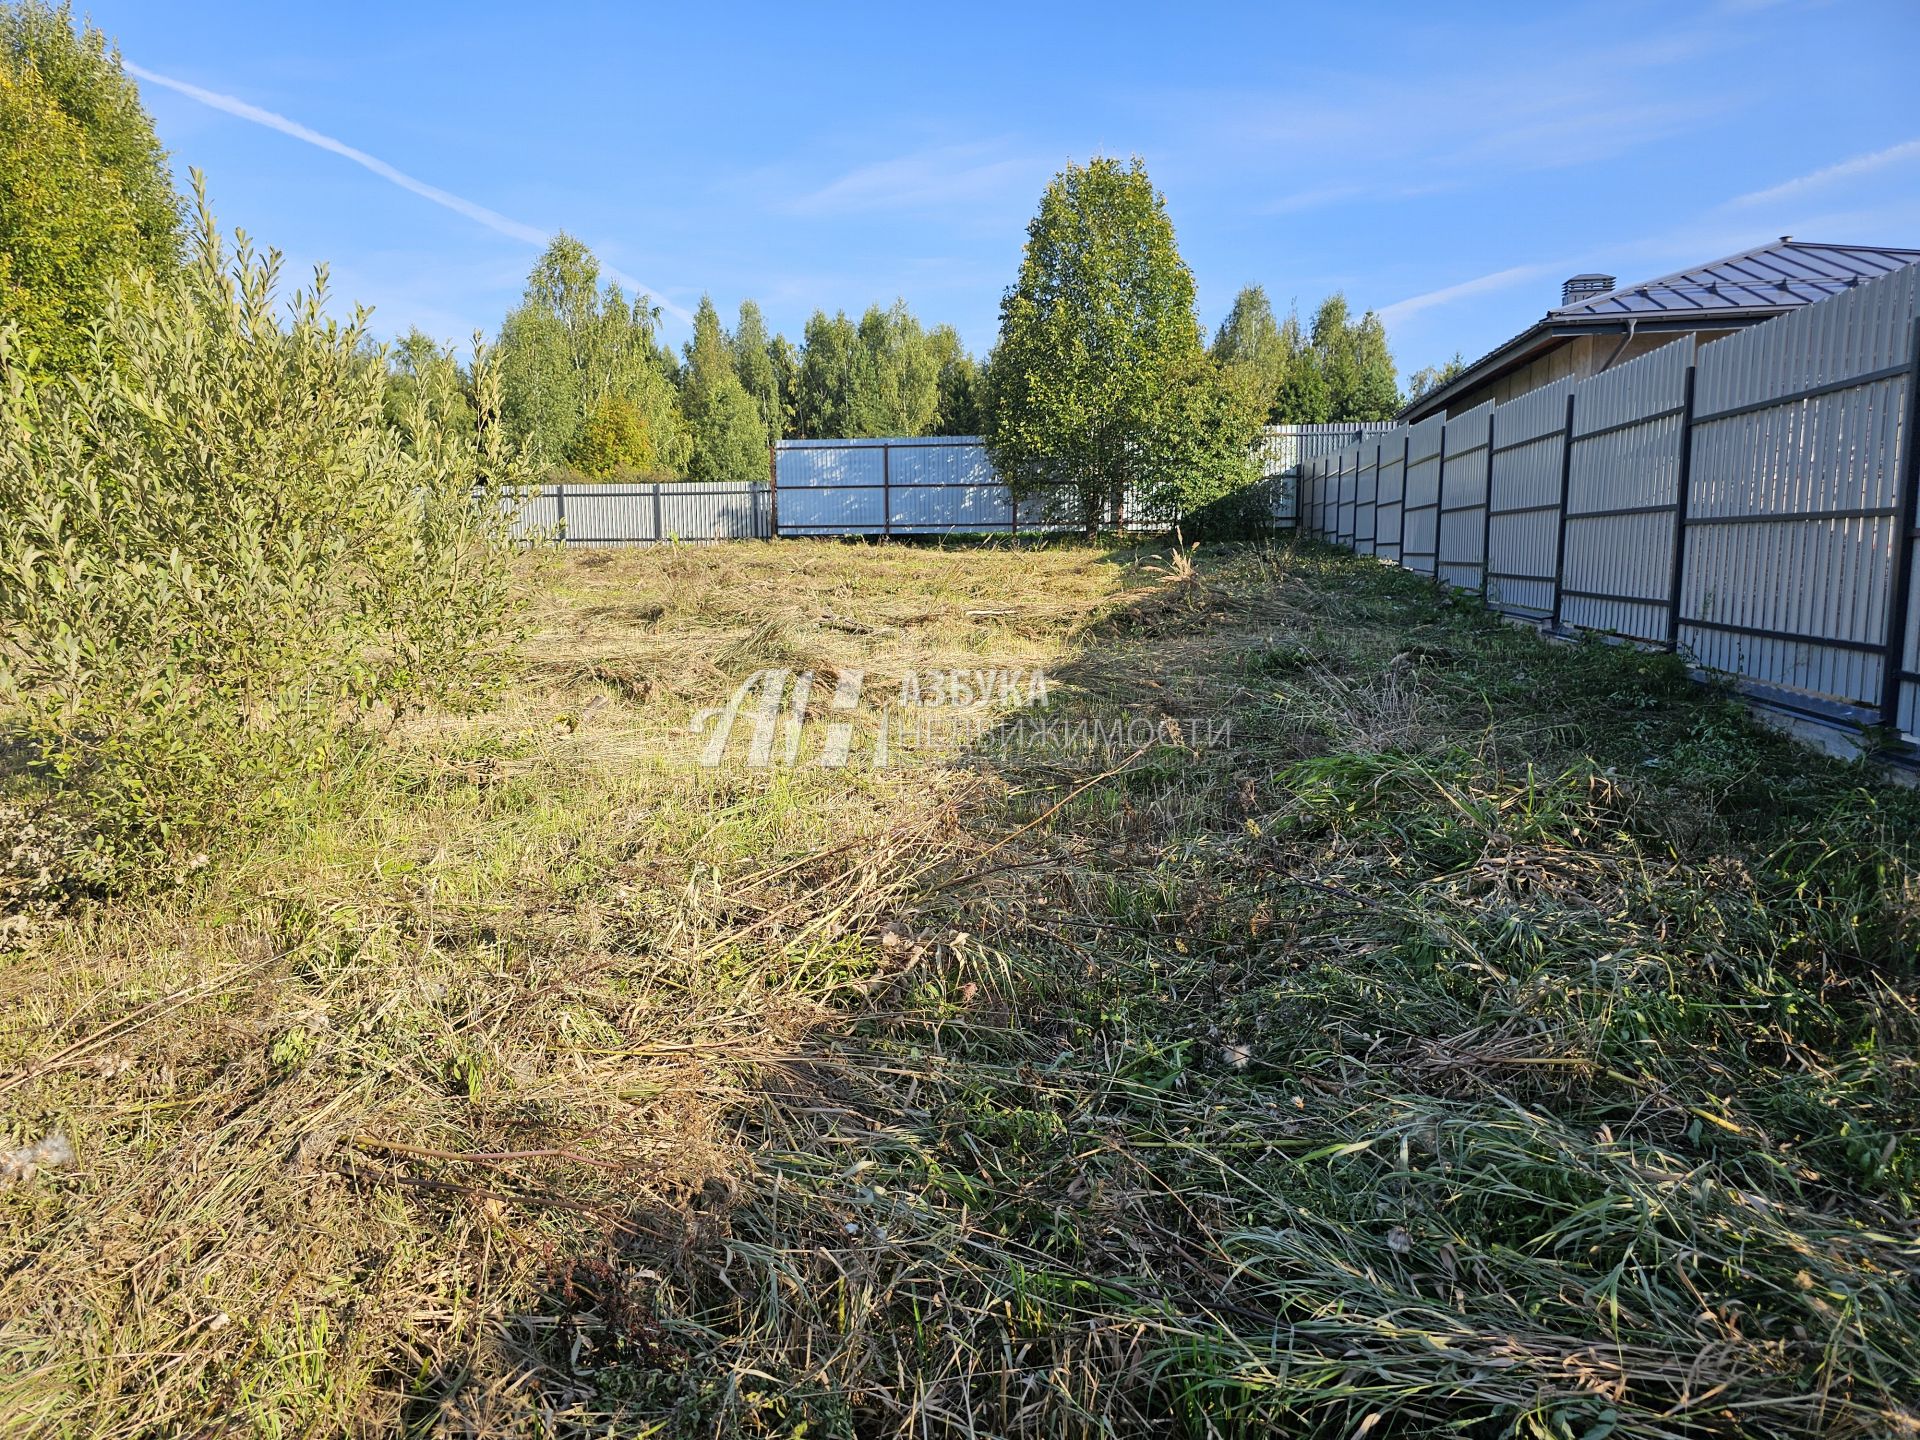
(1482, 1034)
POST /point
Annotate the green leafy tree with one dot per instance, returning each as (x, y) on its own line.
(753, 362)
(886, 375)
(960, 394)
(1098, 325)
(899, 370)
(1355, 362)
(570, 349)
(611, 441)
(832, 397)
(1425, 381)
(1303, 397)
(1249, 336)
(729, 436)
(1260, 350)
(85, 195)
(786, 383)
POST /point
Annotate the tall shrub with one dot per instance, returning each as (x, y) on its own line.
(218, 560)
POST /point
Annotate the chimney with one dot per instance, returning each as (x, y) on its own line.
(1585, 287)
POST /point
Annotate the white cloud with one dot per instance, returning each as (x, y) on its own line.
(1481, 285)
(480, 214)
(1846, 169)
(947, 176)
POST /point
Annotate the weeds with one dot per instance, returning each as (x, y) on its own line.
(1493, 1039)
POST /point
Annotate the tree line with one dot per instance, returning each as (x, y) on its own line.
(588, 386)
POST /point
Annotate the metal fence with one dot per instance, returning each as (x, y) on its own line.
(945, 485)
(934, 485)
(585, 513)
(1750, 503)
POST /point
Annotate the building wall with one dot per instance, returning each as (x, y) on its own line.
(1579, 357)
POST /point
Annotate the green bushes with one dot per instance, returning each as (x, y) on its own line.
(218, 562)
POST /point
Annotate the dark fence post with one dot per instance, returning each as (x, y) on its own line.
(1560, 540)
(1406, 467)
(886, 490)
(773, 491)
(560, 508)
(1374, 538)
(659, 521)
(1486, 513)
(1440, 507)
(1682, 483)
(1906, 506)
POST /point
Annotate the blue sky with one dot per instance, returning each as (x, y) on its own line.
(1447, 165)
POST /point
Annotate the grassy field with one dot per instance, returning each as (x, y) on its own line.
(1430, 1030)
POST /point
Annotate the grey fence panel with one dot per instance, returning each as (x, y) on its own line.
(1366, 498)
(1623, 485)
(538, 513)
(1343, 518)
(599, 515)
(1390, 491)
(1793, 530)
(1754, 504)
(1420, 527)
(1523, 493)
(1463, 497)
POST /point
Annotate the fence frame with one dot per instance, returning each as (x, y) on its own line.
(1826, 483)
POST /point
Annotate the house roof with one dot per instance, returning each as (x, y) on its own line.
(1741, 289)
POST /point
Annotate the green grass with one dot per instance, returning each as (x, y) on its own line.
(1493, 1038)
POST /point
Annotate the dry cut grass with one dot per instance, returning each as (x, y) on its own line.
(1485, 1037)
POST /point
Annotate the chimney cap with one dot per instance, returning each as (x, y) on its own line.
(1586, 286)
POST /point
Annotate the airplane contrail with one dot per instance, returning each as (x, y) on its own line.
(1858, 165)
(460, 205)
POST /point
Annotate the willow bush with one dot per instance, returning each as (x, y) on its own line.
(221, 568)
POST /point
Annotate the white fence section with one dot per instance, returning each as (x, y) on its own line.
(585, 513)
(938, 485)
(1750, 503)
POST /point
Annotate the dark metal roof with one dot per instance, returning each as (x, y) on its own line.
(1781, 275)
(1742, 289)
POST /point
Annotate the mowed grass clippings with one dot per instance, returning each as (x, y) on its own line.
(1488, 1037)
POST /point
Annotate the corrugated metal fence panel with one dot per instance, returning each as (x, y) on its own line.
(1791, 524)
(831, 487)
(1523, 485)
(1366, 497)
(936, 488)
(1420, 528)
(1794, 448)
(1348, 494)
(1463, 496)
(946, 485)
(1622, 486)
(1390, 491)
(712, 512)
(538, 513)
(589, 514)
